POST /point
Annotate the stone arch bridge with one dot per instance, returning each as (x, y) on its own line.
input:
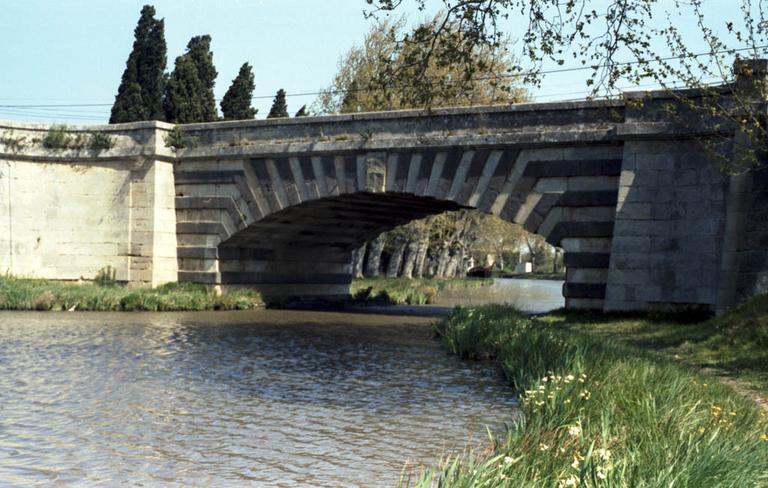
(637, 201)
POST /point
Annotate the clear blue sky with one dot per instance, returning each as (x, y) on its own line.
(74, 51)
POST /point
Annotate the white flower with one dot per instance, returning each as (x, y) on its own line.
(569, 481)
(601, 474)
(604, 454)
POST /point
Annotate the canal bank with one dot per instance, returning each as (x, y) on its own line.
(104, 295)
(44, 295)
(596, 411)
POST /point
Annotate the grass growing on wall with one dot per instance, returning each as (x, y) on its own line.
(416, 291)
(31, 294)
(596, 412)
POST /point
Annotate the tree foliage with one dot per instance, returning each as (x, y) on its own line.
(383, 73)
(617, 43)
(199, 50)
(279, 106)
(183, 104)
(189, 91)
(236, 104)
(140, 94)
(616, 40)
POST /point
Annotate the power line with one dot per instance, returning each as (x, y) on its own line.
(511, 75)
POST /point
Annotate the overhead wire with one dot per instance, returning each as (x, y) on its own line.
(54, 109)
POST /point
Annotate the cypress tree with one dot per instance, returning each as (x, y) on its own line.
(189, 92)
(139, 96)
(302, 112)
(279, 106)
(199, 50)
(128, 106)
(151, 70)
(236, 104)
(182, 101)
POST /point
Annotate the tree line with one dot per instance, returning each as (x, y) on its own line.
(148, 92)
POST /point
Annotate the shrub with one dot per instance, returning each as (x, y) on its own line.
(176, 138)
(101, 141)
(57, 137)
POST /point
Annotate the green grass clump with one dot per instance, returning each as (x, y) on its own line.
(596, 412)
(415, 291)
(43, 295)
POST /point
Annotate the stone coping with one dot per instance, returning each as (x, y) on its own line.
(319, 119)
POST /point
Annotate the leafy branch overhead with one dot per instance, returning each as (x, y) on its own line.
(619, 44)
(617, 40)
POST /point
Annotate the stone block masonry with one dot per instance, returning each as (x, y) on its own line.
(635, 198)
(66, 213)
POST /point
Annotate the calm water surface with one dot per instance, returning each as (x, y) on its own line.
(527, 295)
(264, 398)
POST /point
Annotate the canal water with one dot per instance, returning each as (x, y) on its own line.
(534, 296)
(262, 398)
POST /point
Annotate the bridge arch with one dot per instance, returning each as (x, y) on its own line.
(288, 225)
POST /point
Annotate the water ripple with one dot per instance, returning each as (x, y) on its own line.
(259, 398)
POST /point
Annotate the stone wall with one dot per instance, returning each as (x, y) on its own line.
(670, 219)
(66, 213)
(745, 253)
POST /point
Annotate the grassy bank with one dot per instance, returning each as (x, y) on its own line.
(599, 412)
(416, 291)
(29, 294)
(733, 346)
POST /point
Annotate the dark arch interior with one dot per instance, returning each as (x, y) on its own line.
(343, 222)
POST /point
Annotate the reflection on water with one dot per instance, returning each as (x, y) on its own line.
(266, 398)
(527, 295)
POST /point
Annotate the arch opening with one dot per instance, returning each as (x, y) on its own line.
(288, 227)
